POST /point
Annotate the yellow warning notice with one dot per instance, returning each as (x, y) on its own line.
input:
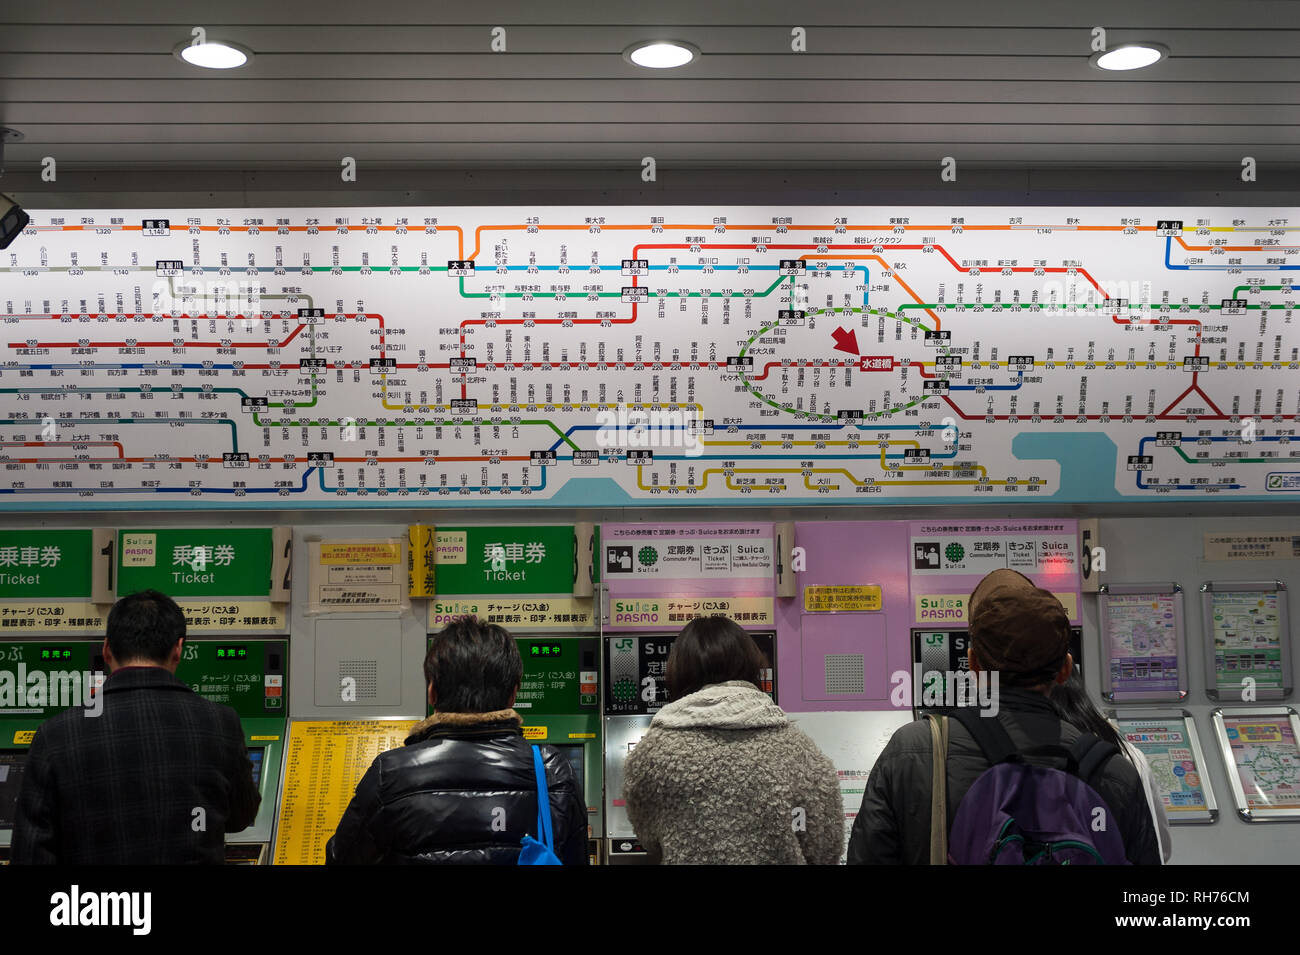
(24, 737)
(325, 761)
(534, 732)
(819, 598)
(361, 552)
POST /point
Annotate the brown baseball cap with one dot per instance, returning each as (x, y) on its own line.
(1018, 629)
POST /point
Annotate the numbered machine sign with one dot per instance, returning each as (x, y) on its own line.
(1262, 759)
(1247, 640)
(1144, 656)
(1168, 740)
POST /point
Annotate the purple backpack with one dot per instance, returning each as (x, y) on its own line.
(1016, 813)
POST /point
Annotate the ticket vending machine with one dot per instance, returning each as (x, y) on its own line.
(635, 689)
(250, 675)
(246, 673)
(536, 582)
(655, 579)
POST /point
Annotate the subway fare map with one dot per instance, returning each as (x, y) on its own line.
(603, 356)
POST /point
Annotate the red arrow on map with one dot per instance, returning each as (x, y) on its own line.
(845, 341)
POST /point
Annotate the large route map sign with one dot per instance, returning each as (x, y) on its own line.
(602, 356)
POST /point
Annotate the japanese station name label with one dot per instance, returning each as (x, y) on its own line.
(1261, 546)
(199, 562)
(44, 563)
(818, 598)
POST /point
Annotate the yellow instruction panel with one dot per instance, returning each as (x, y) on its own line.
(326, 759)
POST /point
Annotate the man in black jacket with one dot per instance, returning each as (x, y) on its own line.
(463, 789)
(159, 776)
(1022, 633)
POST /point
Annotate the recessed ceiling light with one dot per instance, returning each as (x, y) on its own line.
(661, 54)
(214, 54)
(1129, 56)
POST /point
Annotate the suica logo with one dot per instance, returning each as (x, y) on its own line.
(77, 908)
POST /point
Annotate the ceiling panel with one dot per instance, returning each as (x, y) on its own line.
(415, 83)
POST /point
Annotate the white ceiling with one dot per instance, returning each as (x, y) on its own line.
(415, 84)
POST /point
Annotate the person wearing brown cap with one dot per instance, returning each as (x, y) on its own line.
(1021, 633)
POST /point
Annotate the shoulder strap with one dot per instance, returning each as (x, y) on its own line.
(1090, 754)
(989, 734)
(939, 790)
(543, 801)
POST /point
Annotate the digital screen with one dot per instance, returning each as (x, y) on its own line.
(941, 655)
(226, 652)
(255, 757)
(56, 653)
(574, 754)
(12, 763)
(1142, 634)
(553, 649)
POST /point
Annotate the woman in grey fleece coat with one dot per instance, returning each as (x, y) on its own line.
(722, 776)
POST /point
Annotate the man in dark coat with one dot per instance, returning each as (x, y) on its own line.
(159, 775)
(463, 789)
(1022, 633)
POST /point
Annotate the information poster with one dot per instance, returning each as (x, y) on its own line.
(347, 576)
(1142, 637)
(1169, 752)
(1246, 626)
(326, 760)
(1267, 761)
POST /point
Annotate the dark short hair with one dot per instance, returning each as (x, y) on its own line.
(145, 625)
(1024, 635)
(474, 667)
(713, 650)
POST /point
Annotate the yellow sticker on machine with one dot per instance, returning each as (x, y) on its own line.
(534, 732)
(326, 759)
(24, 737)
(361, 552)
(582, 736)
(822, 599)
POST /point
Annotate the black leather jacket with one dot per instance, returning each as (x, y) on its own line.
(462, 790)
